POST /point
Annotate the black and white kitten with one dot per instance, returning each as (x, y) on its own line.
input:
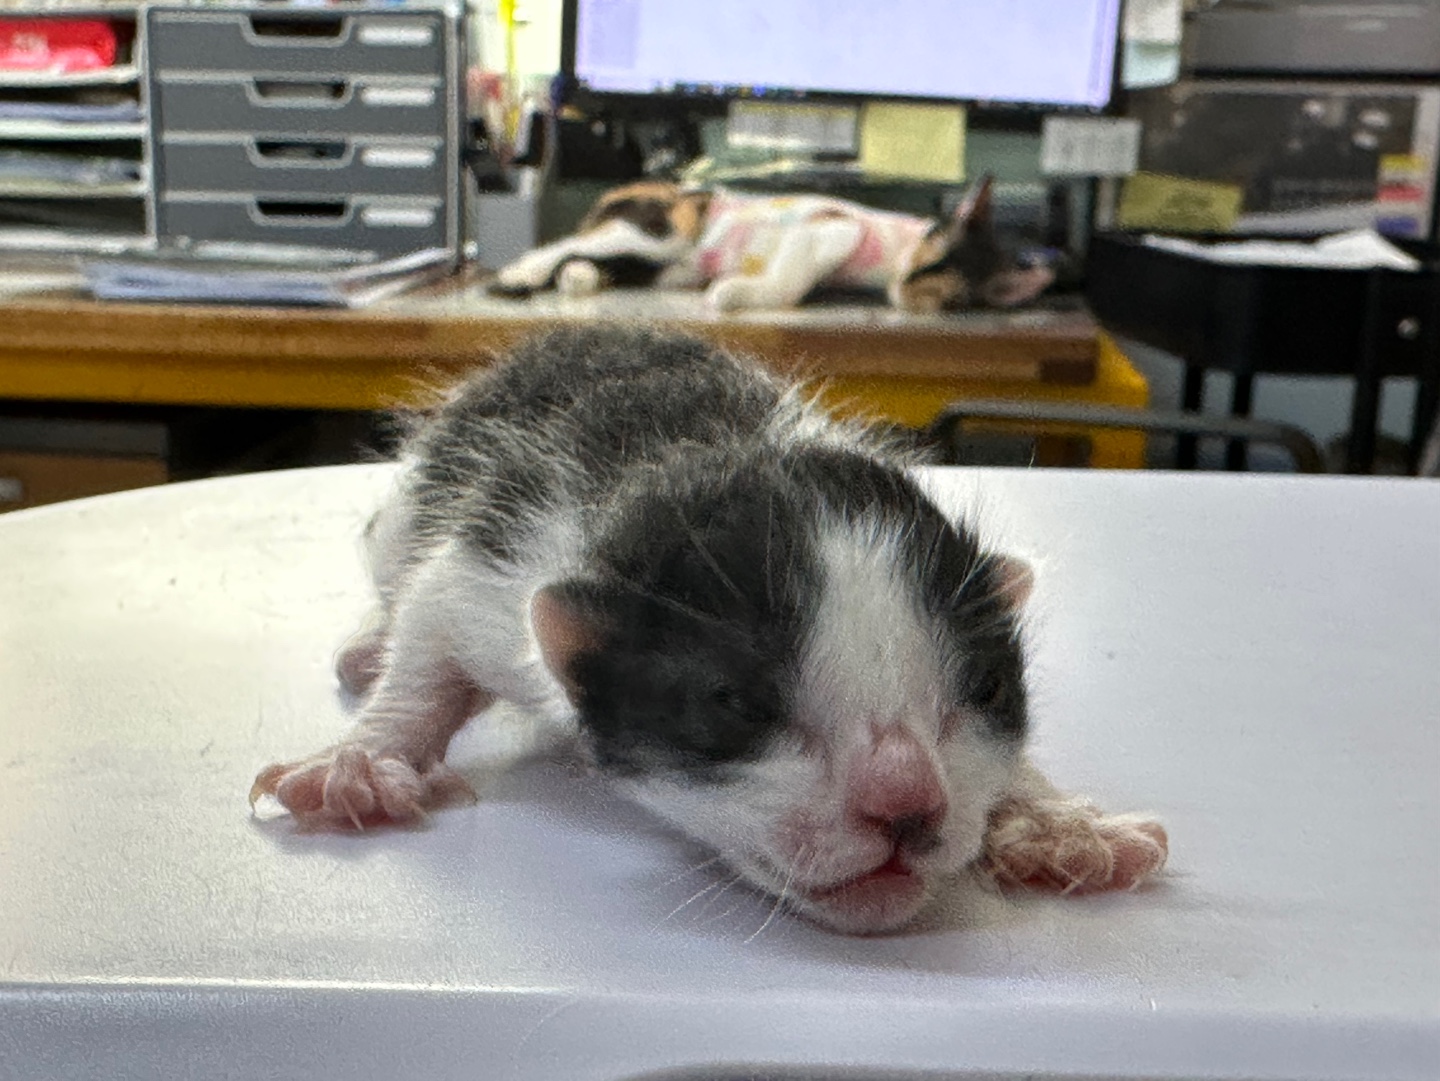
(748, 616)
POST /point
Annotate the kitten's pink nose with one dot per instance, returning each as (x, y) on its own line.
(895, 787)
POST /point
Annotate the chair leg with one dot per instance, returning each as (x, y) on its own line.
(1192, 397)
(1236, 450)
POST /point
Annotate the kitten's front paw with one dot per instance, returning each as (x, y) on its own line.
(728, 295)
(530, 272)
(578, 278)
(1068, 846)
(352, 787)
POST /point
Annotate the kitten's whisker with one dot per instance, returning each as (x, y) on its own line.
(693, 898)
(737, 880)
(695, 869)
(777, 906)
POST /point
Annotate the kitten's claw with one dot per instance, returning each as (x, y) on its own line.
(1067, 846)
(352, 787)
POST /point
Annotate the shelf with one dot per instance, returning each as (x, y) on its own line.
(57, 131)
(20, 238)
(49, 189)
(119, 75)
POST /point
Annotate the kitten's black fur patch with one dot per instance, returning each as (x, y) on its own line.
(701, 510)
(564, 417)
(629, 271)
(960, 585)
(650, 215)
(698, 600)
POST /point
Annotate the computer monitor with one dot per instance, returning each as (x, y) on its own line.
(1044, 53)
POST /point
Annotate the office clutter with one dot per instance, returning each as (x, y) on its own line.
(332, 153)
(318, 133)
(48, 459)
(1279, 156)
(1355, 306)
(73, 160)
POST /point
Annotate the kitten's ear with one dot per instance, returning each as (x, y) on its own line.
(1016, 286)
(974, 208)
(567, 627)
(1014, 580)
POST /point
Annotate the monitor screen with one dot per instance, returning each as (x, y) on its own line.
(1041, 52)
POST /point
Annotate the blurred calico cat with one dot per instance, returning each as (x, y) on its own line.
(771, 251)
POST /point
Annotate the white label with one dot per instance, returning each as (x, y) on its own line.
(398, 95)
(398, 157)
(1089, 146)
(389, 33)
(1154, 22)
(776, 126)
(413, 217)
(11, 490)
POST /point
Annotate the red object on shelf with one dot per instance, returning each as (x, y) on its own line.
(56, 44)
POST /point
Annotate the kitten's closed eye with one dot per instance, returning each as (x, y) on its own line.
(987, 690)
(724, 696)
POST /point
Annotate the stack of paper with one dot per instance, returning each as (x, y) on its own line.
(1359, 249)
(257, 281)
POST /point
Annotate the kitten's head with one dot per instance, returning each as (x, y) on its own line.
(959, 264)
(809, 669)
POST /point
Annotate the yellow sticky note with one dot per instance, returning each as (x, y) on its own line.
(914, 142)
(1178, 205)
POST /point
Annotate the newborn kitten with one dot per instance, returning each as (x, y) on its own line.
(747, 615)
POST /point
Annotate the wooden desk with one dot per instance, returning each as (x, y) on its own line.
(57, 345)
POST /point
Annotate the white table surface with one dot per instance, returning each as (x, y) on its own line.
(1255, 658)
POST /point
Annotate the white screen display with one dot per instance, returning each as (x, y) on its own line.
(1059, 52)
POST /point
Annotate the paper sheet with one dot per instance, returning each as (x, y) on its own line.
(777, 126)
(1089, 146)
(913, 142)
(158, 278)
(1177, 204)
(1360, 249)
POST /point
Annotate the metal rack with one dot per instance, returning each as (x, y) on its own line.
(79, 215)
(336, 130)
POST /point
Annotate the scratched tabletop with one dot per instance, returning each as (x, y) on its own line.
(1255, 659)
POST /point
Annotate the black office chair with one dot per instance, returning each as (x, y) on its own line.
(945, 430)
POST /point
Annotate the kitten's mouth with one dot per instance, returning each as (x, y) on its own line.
(881, 899)
(893, 873)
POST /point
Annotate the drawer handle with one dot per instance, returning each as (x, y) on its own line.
(269, 30)
(287, 154)
(399, 35)
(410, 96)
(398, 157)
(404, 217)
(12, 490)
(329, 93)
(292, 212)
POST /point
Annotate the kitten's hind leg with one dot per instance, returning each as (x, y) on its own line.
(1040, 839)
(804, 258)
(535, 270)
(361, 660)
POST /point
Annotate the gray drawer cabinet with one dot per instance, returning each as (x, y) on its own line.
(336, 128)
(267, 165)
(298, 42)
